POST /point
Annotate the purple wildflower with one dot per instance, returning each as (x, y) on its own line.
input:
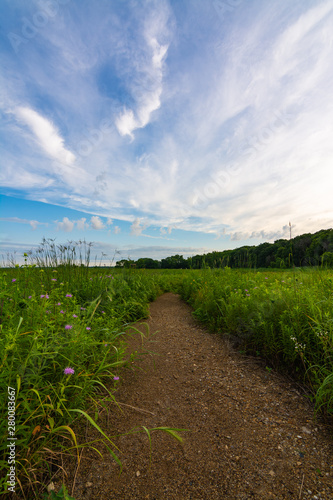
(68, 371)
(42, 296)
(69, 295)
(103, 312)
(13, 280)
(88, 328)
(83, 308)
(59, 304)
(74, 316)
(30, 297)
(68, 327)
(115, 378)
(62, 312)
(53, 279)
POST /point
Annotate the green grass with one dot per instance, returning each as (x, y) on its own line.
(57, 313)
(285, 317)
(61, 354)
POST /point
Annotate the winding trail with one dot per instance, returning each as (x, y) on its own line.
(252, 433)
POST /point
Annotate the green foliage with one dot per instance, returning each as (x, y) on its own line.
(61, 495)
(61, 345)
(286, 316)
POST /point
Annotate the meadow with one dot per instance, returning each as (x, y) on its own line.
(62, 344)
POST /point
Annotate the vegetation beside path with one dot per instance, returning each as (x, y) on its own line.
(61, 343)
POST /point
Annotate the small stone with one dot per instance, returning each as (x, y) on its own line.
(272, 473)
(89, 484)
(306, 430)
(137, 473)
(51, 487)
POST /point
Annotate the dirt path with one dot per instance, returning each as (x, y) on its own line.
(252, 434)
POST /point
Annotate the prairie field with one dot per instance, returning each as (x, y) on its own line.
(62, 346)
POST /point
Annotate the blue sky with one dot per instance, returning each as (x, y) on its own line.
(156, 127)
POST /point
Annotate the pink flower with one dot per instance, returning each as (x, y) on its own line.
(53, 279)
(68, 371)
(13, 280)
(69, 295)
(74, 316)
(59, 304)
(115, 378)
(68, 327)
(88, 328)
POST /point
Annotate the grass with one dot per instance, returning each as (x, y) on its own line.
(62, 343)
(284, 317)
(61, 353)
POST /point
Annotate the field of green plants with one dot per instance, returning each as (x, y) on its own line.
(62, 343)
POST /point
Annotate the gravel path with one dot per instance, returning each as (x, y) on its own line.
(251, 432)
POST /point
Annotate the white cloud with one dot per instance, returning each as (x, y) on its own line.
(136, 228)
(148, 72)
(65, 225)
(117, 229)
(109, 221)
(82, 224)
(33, 223)
(96, 223)
(47, 135)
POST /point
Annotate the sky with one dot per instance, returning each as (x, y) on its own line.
(160, 127)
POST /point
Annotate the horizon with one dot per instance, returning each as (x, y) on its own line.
(158, 128)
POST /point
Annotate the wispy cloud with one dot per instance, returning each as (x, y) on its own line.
(229, 120)
(147, 65)
(46, 135)
(33, 223)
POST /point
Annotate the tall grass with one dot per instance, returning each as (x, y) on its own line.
(61, 347)
(285, 317)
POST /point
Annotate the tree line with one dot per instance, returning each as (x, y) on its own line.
(304, 250)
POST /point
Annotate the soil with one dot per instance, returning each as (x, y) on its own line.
(251, 432)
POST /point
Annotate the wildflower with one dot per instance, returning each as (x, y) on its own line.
(68, 371)
(248, 295)
(68, 327)
(59, 304)
(46, 296)
(48, 312)
(115, 378)
(13, 280)
(62, 312)
(74, 316)
(103, 312)
(30, 297)
(83, 308)
(266, 278)
(53, 279)
(69, 295)
(246, 290)
(105, 345)
(88, 328)
(42, 296)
